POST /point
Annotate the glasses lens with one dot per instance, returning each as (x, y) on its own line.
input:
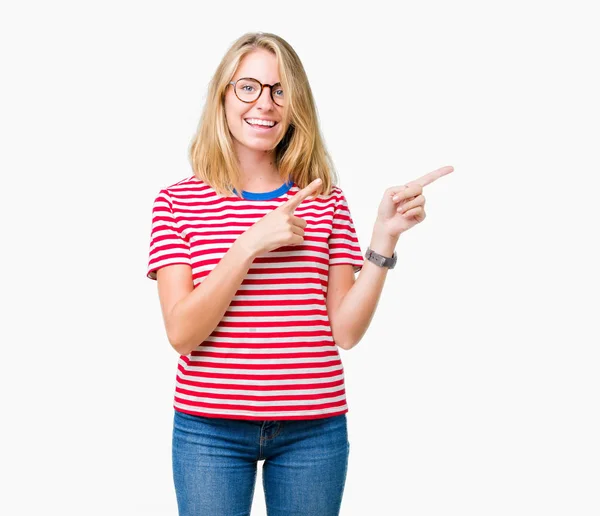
(249, 90)
(278, 94)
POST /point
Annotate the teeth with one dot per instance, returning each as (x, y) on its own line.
(255, 121)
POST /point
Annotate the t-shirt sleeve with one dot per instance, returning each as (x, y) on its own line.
(167, 244)
(344, 247)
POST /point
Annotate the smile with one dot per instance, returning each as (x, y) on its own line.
(260, 125)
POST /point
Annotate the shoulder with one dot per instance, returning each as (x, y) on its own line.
(338, 197)
(336, 190)
(186, 186)
(335, 194)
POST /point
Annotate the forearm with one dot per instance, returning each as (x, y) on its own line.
(195, 317)
(358, 306)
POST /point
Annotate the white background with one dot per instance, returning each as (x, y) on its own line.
(476, 389)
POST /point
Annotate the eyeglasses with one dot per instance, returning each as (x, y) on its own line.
(248, 90)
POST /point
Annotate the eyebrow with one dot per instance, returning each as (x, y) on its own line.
(250, 77)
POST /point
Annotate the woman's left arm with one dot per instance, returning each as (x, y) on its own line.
(352, 316)
(402, 207)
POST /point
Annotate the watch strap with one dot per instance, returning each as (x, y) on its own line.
(380, 260)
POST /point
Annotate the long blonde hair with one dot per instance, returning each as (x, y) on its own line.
(300, 154)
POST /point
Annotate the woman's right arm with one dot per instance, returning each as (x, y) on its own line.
(191, 314)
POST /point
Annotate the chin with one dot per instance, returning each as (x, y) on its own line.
(260, 146)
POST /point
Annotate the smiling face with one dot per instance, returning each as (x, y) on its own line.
(262, 65)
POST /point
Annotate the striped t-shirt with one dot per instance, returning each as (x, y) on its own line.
(272, 355)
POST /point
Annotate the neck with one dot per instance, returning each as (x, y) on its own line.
(258, 170)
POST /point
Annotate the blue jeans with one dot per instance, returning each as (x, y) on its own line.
(215, 464)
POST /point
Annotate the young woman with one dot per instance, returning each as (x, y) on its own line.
(255, 256)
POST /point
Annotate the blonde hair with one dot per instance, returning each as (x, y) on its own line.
(300, 154)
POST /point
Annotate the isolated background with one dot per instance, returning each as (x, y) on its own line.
(475, 391)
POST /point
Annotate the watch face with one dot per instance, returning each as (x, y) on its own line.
(375, 258)
(382, 261)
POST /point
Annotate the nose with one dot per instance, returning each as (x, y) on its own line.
(265, 100)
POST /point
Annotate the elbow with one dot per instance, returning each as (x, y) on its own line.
(181, 344)
(346, 346)
(178, 347)
(349, 342)
(341, 338)
(177, 342)
(172, 337)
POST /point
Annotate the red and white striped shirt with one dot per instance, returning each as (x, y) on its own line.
(272, 355)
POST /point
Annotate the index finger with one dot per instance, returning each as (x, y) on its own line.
(432, 176)
(295, 201)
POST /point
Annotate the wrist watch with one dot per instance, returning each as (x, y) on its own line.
(380, 260)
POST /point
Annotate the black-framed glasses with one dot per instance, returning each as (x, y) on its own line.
(248, 89)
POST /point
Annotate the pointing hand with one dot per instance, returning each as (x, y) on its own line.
(402, 207)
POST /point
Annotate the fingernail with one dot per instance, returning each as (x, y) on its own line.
(318, 180)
